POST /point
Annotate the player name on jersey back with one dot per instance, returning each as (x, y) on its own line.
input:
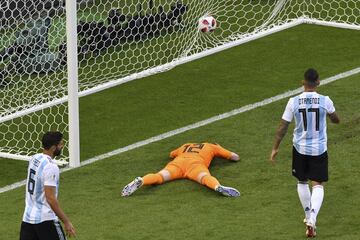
(311, 100)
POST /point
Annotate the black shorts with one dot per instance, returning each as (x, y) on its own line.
(314, 168)
(48, 230)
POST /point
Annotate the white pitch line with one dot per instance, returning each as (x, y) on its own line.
(195, 125)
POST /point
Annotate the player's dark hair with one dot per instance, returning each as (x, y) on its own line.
(51, 139)
(311, 76)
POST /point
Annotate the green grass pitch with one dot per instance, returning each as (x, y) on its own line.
(269, 207)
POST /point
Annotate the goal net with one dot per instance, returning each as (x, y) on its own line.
(119, 41)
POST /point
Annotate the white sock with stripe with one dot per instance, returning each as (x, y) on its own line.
(305, 197)
(317, 198)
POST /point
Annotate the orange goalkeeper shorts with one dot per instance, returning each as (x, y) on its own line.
(193, 171)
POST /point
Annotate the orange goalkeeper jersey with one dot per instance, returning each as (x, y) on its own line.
(200, 153)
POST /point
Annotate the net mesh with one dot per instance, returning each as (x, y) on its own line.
(117, 39)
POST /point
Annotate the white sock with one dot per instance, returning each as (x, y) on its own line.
(317, 197)
(305, 197)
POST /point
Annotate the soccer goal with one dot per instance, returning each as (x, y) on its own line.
(54, 51)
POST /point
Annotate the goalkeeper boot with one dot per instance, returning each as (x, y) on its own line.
(228, 191)
(132, 187)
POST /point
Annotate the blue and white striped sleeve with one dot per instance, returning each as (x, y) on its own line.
(289, 111)
(329, 105)
(51, 175)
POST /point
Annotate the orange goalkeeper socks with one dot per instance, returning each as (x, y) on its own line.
(151, 179)
(210, 181)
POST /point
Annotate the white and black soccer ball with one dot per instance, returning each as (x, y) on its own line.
(207, 24)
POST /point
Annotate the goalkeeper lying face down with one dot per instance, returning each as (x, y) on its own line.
(190, 161)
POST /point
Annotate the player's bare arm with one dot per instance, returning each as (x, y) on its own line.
(50, 194)
(280, 134)
(334, 118)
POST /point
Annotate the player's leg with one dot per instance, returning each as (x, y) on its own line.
(201, 174)
(50, 230)
(317, 197)
(204, 177)
(170, 172)
(299, 170)
(27, 231)
(318, 174)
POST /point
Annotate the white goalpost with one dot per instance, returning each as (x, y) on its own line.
(73, 95)
(56, 51)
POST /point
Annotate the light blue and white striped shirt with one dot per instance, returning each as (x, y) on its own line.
(42, 171)
(310, 110)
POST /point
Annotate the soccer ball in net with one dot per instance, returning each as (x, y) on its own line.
(207, 24)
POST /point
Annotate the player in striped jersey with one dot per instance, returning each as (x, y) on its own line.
(40, 219)
(191, 161)
(310, 159)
